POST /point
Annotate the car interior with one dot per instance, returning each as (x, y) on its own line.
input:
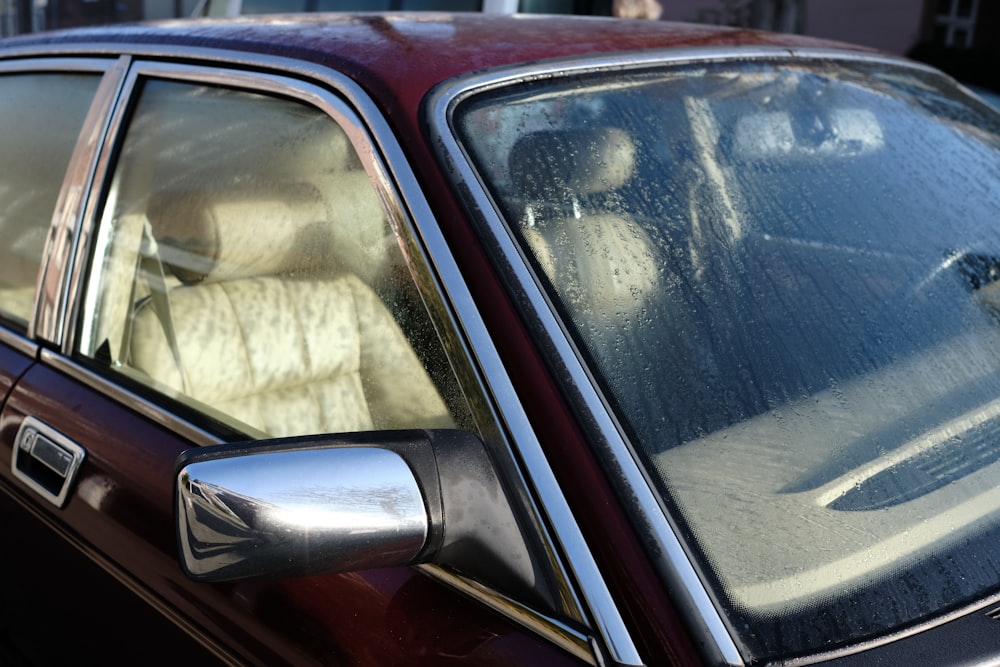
(247, 282)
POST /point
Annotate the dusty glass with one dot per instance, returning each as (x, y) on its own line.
(784, 278)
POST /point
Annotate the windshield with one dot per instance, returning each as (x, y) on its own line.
(785, 277)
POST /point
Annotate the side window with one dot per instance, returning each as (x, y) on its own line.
(40, 118)
(244, 265)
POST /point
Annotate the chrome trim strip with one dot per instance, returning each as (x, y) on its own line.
(45, 62)
(133, 401)
(570, 640)
(464, 86)
(672, 558)
(18, 342)
(394, 168)
(87, 223)
(60, 247)
(538, 474)
(604, 614)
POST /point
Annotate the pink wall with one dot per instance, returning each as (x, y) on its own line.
(890, 25)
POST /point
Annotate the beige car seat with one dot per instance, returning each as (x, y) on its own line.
(270, 324)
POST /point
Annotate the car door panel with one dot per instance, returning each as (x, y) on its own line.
(113, 517)
(120, 515)
(13, 363)
(58, 605)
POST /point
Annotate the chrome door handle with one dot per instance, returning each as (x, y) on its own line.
(46, 460)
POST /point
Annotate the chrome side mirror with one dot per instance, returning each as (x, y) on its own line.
(283, 511)
(300, 506)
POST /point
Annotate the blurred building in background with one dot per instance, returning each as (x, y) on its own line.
(962, 37)
(888, 25)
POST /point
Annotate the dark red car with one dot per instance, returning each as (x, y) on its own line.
(431, 339)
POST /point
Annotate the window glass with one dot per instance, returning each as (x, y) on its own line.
(244, 265)
(786, 279)
(40, 118)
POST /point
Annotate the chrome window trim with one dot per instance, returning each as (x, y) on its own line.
(115, 391)
(675, 563)
(568, 639)
(43, 62)
(53, 295)
(390, 170)
(18, 342)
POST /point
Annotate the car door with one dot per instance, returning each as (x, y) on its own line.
(246, 270)
(46, 104)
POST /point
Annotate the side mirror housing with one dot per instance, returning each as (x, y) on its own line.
(306, 505)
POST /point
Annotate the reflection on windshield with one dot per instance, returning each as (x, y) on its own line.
(786, 280)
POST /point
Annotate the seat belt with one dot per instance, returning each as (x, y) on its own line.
(149, 268)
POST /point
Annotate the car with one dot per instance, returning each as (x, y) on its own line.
(413, 339)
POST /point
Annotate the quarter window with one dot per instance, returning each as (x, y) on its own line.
(245, 266)
(40, 116)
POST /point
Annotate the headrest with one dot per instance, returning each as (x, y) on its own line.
(838, 133)
(234, 233)
(294, 229)
(572, 162)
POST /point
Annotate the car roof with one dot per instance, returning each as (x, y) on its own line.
(405, 54)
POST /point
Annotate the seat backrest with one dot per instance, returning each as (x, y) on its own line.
(290, 356)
